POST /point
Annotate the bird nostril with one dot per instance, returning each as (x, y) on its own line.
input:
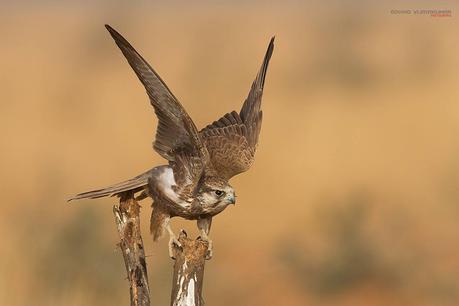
(231, 199)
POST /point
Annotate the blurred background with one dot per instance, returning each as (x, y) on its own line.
(353, 198)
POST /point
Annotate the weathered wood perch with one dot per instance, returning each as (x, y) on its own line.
(188, 272)
(128, 224)
(188, 267)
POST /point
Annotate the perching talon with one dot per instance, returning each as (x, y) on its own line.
(173, 243)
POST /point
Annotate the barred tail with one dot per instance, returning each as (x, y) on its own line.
(135, 184)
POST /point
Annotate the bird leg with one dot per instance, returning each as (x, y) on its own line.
(204, 227)
(172, 241)
(206, 238)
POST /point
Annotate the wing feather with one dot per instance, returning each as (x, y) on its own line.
(177, 138)
(231, 141)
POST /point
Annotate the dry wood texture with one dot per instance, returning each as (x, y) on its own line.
(128, 224)
(189, 259)
(188, 272)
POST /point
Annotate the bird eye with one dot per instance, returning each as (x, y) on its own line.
(218, 192)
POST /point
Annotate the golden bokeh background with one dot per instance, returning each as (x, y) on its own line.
(353, 198)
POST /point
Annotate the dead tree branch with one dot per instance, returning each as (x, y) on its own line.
(128, 224)
(188, 267)
(188, 272)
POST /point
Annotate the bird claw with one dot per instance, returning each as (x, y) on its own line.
(209, 252)
(173, 243)
(183, 233)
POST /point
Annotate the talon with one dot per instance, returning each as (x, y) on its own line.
(204, 227)
(176, 242)
(209, 252)
(173, 241)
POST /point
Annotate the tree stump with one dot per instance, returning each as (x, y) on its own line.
(188, 272)
(128, 225)
(189, 259)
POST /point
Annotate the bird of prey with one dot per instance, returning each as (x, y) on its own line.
(194, 184)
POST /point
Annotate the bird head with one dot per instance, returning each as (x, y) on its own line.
(216, 192)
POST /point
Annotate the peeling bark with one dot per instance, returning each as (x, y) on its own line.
(188, 272)
(128, 225)
(188, 267)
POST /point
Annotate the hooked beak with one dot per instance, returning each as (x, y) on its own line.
(232, 199)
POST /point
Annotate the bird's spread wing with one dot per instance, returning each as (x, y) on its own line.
(177, 138)
(231, 141)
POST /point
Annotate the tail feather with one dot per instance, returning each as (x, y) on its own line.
(135, 184)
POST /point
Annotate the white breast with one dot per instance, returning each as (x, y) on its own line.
(166, 181)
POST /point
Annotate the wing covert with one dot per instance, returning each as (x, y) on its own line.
(177, 138)
(232, 140)
(176, 130)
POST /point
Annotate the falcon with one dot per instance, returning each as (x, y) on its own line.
(195, 182)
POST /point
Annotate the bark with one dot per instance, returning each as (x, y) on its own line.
(188, 272)
(128, 224)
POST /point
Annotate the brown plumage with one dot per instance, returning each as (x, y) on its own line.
(195, 183)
